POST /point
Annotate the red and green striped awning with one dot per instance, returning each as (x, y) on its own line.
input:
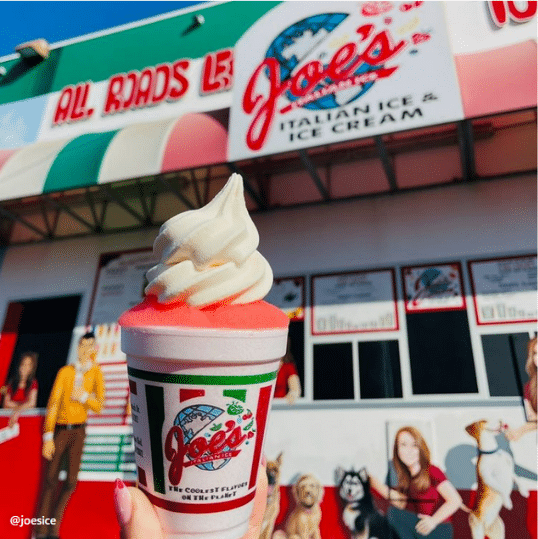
(136, 151)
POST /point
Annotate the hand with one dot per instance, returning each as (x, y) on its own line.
(138, 520)
(48, 449)
(426, 525)
(513, 435)
(13, 419)
(291, 397)
(77, 393)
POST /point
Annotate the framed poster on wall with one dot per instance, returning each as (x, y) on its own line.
(504, 290)
(288, 294)
(433, 287)
(354, 302)
(119, 285)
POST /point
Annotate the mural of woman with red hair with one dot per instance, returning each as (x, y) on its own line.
(21, 391)
(424, 499)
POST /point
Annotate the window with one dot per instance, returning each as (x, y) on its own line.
(379, 370)
(502, 354)
(296, 344)
(333, 371)
(440, 353)
(46, 327)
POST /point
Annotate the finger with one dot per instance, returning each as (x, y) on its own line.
(260, 501)
(135, 513)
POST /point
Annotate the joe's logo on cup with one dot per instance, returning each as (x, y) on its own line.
(207, 437)
(199, 438)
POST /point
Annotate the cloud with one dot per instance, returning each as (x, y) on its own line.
(13, 130)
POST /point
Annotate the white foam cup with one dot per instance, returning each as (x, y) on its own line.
(200, 400)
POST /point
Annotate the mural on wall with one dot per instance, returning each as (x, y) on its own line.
(78, 388)
(19, 393)
(332, 468)
(360, 513)
(288, 294)
(465, 479)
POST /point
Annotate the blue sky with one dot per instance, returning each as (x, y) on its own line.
(57, 21)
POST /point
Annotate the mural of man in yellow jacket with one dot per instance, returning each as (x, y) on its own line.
(77, 389)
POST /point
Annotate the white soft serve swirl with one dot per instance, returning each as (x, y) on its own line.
(209, 255)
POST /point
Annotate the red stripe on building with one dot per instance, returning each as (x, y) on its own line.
(8, 338)
(199, 508)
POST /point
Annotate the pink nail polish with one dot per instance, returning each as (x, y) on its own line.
(264, 460)
(122, 503)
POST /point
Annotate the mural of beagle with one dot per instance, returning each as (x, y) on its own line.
(495, 476)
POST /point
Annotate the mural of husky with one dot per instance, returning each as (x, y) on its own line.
(360, 514)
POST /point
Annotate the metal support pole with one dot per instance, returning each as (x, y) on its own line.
(310, 167)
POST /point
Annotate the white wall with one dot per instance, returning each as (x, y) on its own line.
(471, 29)
(486, 218)
(60, 268)
(465, 220)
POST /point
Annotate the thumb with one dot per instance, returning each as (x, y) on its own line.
(135, 513)
(138, 520)
(260, 500)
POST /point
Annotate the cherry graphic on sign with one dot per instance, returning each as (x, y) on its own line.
(411, 5)
(371, 9)
(420, 38)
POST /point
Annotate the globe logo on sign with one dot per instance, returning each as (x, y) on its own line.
(307, 40)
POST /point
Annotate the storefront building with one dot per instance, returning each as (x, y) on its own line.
(389, 157)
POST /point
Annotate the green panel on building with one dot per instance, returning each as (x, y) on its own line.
(78, 163)
(98, 58)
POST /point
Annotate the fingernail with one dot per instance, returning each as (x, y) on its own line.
(264, 460)
(122, 503)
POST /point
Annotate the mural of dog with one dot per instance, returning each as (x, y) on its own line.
(304, 520)
(495, 476)
(360, 514)
(273, 497)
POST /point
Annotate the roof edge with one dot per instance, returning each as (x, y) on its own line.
(204, 4)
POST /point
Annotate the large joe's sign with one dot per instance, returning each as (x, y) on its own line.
(312, 73)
